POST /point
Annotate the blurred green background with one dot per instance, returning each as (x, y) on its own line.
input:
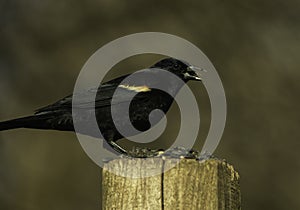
(254, 45)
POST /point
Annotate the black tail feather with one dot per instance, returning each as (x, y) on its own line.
(24, 122)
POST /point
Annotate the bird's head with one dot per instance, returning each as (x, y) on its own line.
(181, 68)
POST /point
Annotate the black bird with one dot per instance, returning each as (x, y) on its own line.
(58, 116)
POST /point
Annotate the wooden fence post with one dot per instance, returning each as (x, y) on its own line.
(210, 184)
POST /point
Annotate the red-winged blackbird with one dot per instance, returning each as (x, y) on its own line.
(58, 116)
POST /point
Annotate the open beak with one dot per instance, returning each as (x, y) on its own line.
(195, 76)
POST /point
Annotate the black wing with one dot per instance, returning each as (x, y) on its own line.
(103, 98)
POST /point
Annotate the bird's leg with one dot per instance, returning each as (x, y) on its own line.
(117, 148)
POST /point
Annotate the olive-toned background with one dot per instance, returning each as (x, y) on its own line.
(254, 46)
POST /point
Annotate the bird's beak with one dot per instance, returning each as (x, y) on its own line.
(197, 75)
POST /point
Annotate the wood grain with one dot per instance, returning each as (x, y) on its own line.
(192, 184)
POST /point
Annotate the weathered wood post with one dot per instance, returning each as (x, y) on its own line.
(210, 184)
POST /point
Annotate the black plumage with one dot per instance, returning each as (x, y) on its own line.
(58, 116)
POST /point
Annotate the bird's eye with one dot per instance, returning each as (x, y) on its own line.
(176, 65)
